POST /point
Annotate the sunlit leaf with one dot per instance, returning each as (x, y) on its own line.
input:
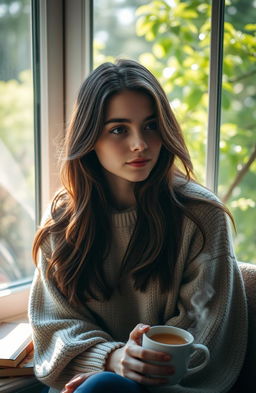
(250, 27)
(194, 97)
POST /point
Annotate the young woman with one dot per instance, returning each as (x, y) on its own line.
(130, 241)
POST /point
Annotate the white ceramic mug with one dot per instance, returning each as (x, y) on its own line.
(180, 353)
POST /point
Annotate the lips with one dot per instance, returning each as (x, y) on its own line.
(138, 162)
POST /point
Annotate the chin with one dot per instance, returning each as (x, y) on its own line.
(138, 179)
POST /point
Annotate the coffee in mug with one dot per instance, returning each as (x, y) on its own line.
(168, 338)
(180, 345)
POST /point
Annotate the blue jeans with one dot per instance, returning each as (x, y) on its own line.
(107, 382)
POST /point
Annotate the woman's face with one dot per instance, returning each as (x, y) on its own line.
(130, 143)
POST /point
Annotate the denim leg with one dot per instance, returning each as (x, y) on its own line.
(107, 382)
(45, 390)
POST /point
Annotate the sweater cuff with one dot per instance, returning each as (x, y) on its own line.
(94, 358)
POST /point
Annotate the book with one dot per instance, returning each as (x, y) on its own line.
(25, 367)
(15, 343)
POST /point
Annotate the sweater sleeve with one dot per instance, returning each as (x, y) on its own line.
(66, 341)
(212, 306)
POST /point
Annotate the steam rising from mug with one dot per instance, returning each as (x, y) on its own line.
(199, 311)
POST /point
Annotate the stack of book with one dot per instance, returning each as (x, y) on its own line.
(16, 349)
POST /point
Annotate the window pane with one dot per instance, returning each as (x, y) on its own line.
(237, 178)
(115, 30)
(17, 210)
(172, 39)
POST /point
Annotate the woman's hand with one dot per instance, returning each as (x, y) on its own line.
(76, 381)
(131, 360)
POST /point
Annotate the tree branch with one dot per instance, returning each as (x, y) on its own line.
(240, 175)
(241, 77)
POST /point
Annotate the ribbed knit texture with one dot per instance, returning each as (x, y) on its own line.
(70, 341)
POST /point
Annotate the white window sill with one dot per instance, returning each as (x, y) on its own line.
(14, 303)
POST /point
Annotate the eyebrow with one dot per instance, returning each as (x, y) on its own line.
(123, 120)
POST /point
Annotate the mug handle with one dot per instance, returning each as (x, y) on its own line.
(203, 348)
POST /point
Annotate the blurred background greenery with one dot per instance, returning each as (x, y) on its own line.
(17, 223)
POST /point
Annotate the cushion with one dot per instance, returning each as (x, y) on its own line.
(246, 380)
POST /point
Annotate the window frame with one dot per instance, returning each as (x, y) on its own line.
(62, 40)
(48, 74)
(78, 48)
(215, 90)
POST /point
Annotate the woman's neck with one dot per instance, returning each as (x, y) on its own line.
(121, 192)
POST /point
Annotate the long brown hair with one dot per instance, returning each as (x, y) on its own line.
(80, 221)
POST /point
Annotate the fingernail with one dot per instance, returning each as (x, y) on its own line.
(166, 357)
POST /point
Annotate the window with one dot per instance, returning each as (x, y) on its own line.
(237, 176)
(17, 170)
(33, 103)
(172, 38)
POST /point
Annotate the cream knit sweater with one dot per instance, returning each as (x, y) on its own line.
(69, 341)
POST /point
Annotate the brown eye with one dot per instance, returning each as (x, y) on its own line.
(151, 126)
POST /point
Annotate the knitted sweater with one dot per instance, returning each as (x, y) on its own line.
(207, 298)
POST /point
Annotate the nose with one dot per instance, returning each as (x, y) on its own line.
(138, 142)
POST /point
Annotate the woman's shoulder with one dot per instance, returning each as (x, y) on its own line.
(53, 215)
(55, 209)
(47, 215)
(200, 202)
(205, 209)
(194, 191)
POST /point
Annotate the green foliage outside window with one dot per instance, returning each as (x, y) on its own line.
(16, 178)
(17, 213)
